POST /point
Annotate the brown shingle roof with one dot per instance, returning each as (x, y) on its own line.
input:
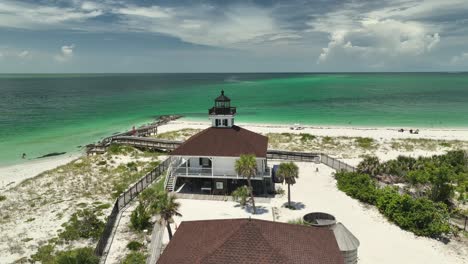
(225, 142)
(248, 241)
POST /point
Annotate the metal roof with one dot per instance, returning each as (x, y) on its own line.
(250, 241)
(224, 142)
(345, 239)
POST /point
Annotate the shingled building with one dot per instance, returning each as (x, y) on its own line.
(205, 162)
(245, 241)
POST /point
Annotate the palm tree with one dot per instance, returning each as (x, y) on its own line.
(370, 165)
(246, 166)
(167, 207)
(289, 172)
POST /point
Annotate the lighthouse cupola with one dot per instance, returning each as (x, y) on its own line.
(222, 114)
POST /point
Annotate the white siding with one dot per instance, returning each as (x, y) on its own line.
(224, 165)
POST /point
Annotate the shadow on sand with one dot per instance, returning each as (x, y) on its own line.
(294, 205)
(248, 208)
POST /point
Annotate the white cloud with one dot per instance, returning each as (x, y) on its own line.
(460, 59)
(23, 54)
(66, 53)
(366, 36)
(149, 12)
(24, 15)
(230, 27)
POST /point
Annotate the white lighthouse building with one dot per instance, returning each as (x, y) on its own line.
(205, 163)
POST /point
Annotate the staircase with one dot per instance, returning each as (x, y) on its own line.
(170, 182)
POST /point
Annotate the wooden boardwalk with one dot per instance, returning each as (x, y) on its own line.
(139, 133)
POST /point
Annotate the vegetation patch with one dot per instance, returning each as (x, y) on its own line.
(47, 255)
(307, 137)
(82, 224)
(2, 198)
(135, 258)
(297, 221)
(134, 245)
(419, 215)
(365, 142)
(241, 195)
(182, 134)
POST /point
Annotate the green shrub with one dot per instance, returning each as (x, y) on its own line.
(2, 198)
(418, 215)
(241, 194)
(132, 166)
(134, 245)
(306, 137)
(357, 185)
(135, 258)
(140, 217)
(327, 140)
(297, 221)
(365, 142)
(77, 256)
(116, 149)
(82, 224)
(44, 254)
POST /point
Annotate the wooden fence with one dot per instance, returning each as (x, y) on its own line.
(335, 163)
(292, 155)
(310, 157)
(124, 199)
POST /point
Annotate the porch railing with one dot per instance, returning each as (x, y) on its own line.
(218, 173)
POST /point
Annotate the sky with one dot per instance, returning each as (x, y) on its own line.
(105, 36)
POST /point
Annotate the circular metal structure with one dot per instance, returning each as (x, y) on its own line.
(319, 219)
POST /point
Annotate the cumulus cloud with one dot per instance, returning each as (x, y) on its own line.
(356, 35)
(376, 33)
(203, 25)
(26, 15)
(460, 59)
(66, 53)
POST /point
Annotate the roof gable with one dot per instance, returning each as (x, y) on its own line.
(224, 142)
(250, 241)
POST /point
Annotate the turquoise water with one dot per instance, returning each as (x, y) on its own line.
(40, 114)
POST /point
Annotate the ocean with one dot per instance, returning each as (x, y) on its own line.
(41, 114)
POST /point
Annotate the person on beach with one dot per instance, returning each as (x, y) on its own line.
(23, 156)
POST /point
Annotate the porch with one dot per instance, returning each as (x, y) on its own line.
(203, 172)
(217, 186)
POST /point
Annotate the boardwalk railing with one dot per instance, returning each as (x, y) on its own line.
(156, 143)
(310, 157)
(141, 132)
(124, 199)
(336, 164)
(292, 155)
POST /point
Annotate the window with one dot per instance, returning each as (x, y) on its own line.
(217, 123)
(232, 121)
(225, 123)
(205, 162)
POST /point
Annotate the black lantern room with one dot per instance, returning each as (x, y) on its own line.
(222, 106)
(222, 114)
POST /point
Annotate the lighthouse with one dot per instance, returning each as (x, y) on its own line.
(222, 114)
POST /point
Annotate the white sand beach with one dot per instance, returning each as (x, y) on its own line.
(12, 175)
(334, 131)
